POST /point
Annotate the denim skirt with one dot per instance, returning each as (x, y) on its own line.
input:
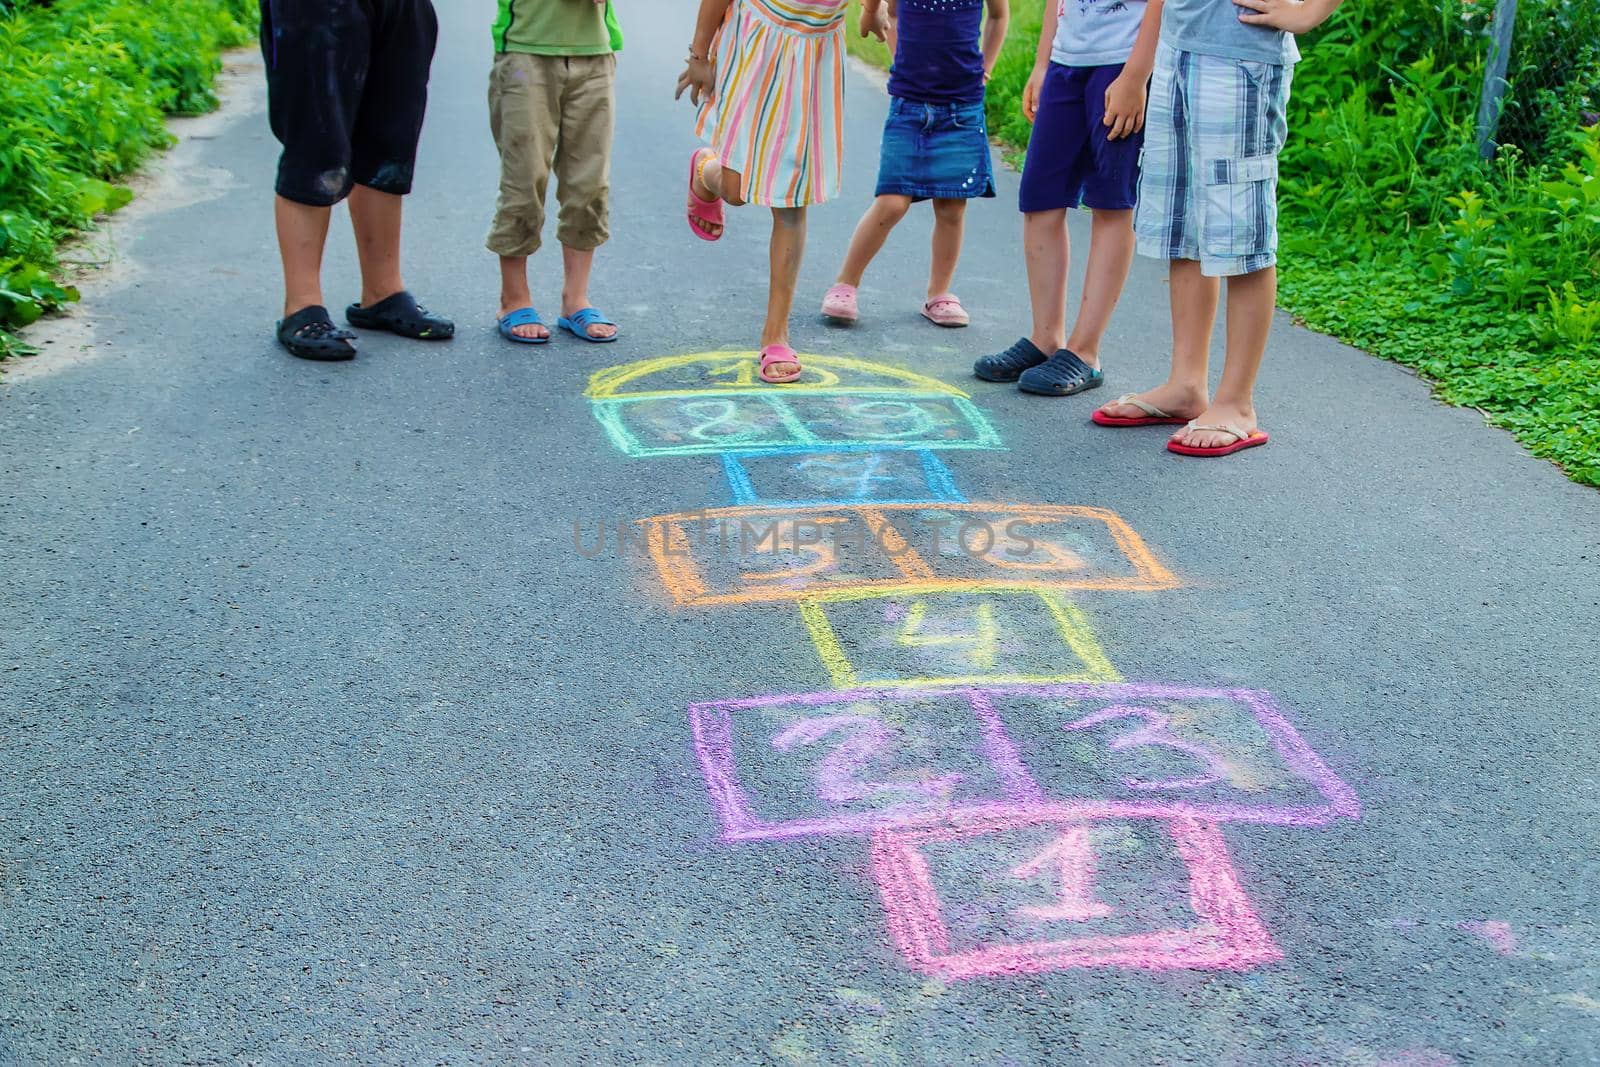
(935, 151)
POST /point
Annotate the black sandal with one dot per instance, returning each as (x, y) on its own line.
(310, 334)
(401, 314)
(1063, 374)
(1008, 366)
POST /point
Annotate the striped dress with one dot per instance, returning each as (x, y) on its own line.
(777, 116)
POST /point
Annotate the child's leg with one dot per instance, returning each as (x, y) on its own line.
(1251, 299)
(583, 169)
(525, 117)
(1240, 225)
(1194, 314)
(949, 229)
(515, 294)
(1048, 250)
(302, 236)
(787, 250)
(871, 232)
(1110, 260)
(376, 218)
(576, 264)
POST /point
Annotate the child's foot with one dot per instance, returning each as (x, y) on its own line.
(944, 309)
(1172, 402)
(840, 304)
(532, 331)
(596, 326)
(1219, 427)
(706, 214)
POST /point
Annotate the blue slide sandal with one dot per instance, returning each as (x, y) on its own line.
(578, 325)
(522, 317)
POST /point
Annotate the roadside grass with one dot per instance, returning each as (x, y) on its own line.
(1484, 278)
(85, 86)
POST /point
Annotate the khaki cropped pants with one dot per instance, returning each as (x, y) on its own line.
(552, 113)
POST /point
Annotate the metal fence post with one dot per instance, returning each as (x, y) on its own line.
(1494, 77)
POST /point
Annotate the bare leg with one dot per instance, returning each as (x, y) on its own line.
(514, 294)
(1048, 251)
(302, 235)
(1110, 259)
(788, 249)
(376, 218)
(1194, 313)
(577, 263)
(871, 232)
(1251, 298)
(949, 228)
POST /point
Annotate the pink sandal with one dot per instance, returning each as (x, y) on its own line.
(946, 310)
(705, 210)
(779, 354)
(840, 304)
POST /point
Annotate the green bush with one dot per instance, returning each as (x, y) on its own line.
(1397, 237)
(84, 88)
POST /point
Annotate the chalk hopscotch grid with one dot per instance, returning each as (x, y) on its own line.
(1227, 933)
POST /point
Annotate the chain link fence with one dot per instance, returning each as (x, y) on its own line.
(1542, 78)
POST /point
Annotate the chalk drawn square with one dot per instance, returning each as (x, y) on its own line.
(939, 638)
(778, 768)
(1017, 544)
(696, 424)
(1154, 750)
(918, 549)
(785, 478)
(753, 555)
(894, 421)
(773, 765)
(1028, 894)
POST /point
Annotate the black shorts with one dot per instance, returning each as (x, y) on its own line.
(347, 87)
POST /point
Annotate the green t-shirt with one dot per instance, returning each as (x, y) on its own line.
(557, 28)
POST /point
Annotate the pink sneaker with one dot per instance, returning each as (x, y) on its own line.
(946, 310)
(840, 304)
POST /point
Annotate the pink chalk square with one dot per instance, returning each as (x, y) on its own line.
(1021, 894)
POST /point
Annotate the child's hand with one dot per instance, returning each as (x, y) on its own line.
(1125, 101)
(1293, 16)
(874, 22)
(1030, 94)
(700, 78)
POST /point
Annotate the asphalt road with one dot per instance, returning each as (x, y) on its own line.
(322, 739)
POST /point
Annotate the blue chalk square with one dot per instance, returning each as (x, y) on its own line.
(797, 477)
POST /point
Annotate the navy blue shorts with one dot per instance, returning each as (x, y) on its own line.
(935, 152)
(347, 88)
(1070, 161)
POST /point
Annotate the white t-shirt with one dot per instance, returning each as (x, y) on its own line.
(1096, 33)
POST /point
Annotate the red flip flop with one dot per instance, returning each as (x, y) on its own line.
(705, 210)
(1153, 416)
(1242, 441)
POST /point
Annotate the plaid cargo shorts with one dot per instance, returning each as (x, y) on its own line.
(1209, 188)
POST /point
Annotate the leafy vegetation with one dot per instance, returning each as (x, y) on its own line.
(1397, 237)
(84, 88)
